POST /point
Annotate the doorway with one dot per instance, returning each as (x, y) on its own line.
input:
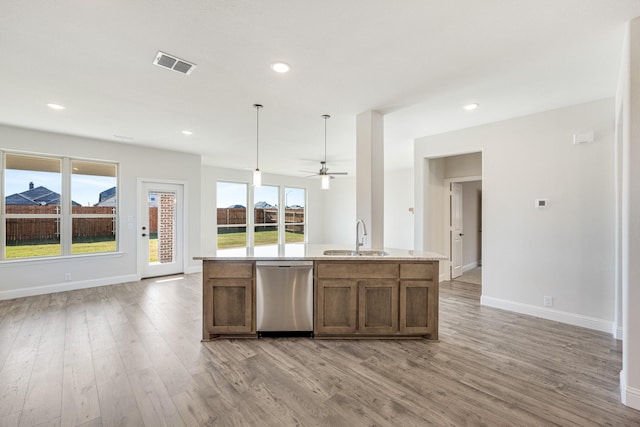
(160, 237)
(463, 209)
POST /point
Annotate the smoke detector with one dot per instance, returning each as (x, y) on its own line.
(174, 63)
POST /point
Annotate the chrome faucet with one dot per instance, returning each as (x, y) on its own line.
(360, 241)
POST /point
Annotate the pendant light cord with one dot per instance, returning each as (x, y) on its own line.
(258, 107)
(325, 116)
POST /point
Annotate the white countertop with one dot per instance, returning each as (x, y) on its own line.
(304, 251)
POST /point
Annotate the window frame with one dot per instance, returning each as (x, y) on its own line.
(250, 224)
(65, 215)
(284, 215)
(246, 216)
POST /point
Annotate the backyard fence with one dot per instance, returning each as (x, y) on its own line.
(34, 229)
(293, 218)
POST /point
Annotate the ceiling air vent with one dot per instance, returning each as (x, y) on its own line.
(171, 62)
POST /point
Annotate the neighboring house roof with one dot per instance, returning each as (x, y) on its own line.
(236, 207)
(19, 199)
(107, 197)
(263, 205)
(41, 196)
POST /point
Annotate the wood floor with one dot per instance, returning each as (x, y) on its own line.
(131, 355)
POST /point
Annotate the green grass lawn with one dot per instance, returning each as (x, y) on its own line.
(230, 240)
(26, 251)
(238, 240)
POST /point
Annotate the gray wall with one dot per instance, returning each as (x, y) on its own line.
(566, 250)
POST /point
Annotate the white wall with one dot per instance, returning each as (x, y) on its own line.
(565, 251)
(398, 198)
(29, 277)
(211, 175)
(471, 196)
(339, 212)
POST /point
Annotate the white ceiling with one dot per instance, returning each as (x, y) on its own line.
(417, 61)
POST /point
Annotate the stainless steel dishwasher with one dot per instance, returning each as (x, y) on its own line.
(284, 297)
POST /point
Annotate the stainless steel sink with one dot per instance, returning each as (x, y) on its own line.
(347, 252)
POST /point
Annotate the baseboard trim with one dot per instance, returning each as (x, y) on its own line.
(469, 266)
(443, 277)
(549, 314)
(617, 331)
(193, 269)
(629, 396)
(67, 286)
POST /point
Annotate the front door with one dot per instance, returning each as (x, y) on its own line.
(456, 230)
(161, 231)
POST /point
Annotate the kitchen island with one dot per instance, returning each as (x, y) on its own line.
(376, 294)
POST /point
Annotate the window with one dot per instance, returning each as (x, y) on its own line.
(41, 214)
(33, 207)
(268, 224)
(93, 207)
(265, 215)
(232, 214)
(294, 218)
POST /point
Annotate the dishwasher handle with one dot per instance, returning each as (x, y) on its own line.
(284, 264)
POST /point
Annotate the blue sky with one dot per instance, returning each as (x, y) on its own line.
(236, 194)
(85, 189)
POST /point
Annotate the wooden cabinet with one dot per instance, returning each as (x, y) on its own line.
(378, 307)
(419, 298)
(376, 298)
(352, 298)
(228, 299)
(336, 306)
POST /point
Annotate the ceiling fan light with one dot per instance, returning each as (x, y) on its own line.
(324, 181)
(257, 178)
(280, 67)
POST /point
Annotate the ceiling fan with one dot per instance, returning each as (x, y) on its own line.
(324, 173)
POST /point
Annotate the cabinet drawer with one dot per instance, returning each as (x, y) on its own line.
(422, 270)
(357, 270)
(229, 270)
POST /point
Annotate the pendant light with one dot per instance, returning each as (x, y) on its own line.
(257, 175)
(324, 177)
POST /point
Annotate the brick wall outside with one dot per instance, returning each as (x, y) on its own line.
(166, 227)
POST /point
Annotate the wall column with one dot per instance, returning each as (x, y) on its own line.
(630, 375)
(370, 175)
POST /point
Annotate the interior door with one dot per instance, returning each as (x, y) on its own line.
(456, 230)
(161, 229)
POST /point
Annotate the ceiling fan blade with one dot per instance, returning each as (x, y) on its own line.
(337, 173)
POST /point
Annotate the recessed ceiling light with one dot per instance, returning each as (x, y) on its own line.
(123, 137)
(187, 132)
(280, 67)
(56, 106)
(471, 107)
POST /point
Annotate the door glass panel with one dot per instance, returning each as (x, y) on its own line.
(294, 218)
(162, 227)
(266, 215)
(231, 214)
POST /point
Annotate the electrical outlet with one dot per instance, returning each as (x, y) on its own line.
(548, 301)
(67, 277)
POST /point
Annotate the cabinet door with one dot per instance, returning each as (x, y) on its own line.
(378, 307)
(336, 304)
(417, 307)
(229, 306)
